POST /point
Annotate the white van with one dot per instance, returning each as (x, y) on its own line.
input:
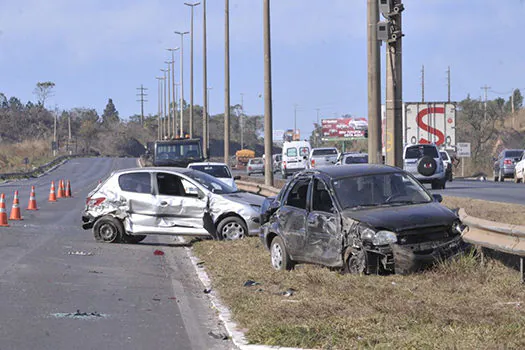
(295, 157)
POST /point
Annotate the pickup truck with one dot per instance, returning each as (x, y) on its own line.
(323, 156)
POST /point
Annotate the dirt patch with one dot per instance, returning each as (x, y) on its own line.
(488, 210)
(455, 305)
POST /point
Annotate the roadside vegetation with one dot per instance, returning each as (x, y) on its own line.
(457, 304)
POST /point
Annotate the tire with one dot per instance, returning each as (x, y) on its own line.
(426, 166)
(108, 229)
(231, 228)
(279, 256)
(133, 239)
(444, 184)
(356, 262)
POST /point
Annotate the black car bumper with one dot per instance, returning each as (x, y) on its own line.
(88, 221)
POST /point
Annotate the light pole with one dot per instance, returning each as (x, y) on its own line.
(205, 131)
(159, 105)
(175, 109)
(192, 5)
(168, 126)
(208, 119)
(227, 81)
(241, 120)
(268, 136)
(55, 146)
(165, 102)
(181, 81)
(174, 98)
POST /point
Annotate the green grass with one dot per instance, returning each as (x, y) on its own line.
(457, 304)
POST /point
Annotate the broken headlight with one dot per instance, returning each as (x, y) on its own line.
(381, 237)
(458, 227)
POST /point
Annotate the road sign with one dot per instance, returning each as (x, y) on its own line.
(463, 149)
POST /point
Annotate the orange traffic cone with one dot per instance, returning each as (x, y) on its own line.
(32, 200)
(3, 214)
(52, 194)
(60, 192)
(15, 210)
(68, 189)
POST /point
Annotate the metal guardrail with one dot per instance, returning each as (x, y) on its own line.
(505, 238)
(41, 169)
(256, 188)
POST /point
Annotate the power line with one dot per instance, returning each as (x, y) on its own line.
(142, 100)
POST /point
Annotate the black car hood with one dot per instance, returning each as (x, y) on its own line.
(399, 218)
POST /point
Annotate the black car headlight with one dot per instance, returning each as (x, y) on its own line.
(458, 227)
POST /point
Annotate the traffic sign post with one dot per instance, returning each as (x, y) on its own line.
(463, 151)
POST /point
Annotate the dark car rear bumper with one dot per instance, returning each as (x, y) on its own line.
(88, 221)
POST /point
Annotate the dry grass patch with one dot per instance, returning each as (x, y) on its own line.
(457, 304)
(38, 152)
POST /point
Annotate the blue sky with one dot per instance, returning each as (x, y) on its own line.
(99, 49)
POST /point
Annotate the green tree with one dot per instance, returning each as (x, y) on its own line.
(43, 91)
(110, 115)
(517, 98)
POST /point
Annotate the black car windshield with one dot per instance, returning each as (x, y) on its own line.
(416, 152)
(513, 154)
(324, 152)
(210, 183)
(175, 151)
(356, 159)
(398, 188)
(213, 170)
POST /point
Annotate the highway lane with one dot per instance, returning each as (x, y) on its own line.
(134, 299)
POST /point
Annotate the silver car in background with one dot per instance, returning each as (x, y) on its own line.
(323, 156)
(352, 158)
(255, 165)
(133, 203)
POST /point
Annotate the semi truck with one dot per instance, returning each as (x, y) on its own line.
(177, 152)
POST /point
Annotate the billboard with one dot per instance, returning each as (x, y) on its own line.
(340, 129)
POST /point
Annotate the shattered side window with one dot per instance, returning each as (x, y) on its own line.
(135, 182)
(297, 195)
(321, 200)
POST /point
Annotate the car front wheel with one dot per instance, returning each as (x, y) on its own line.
(279, 256)
(108, 229)
(232, 228)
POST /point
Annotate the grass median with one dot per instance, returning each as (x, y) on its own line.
(457, 304)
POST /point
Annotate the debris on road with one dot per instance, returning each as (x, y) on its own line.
(250, 283)
(221, 336)
(79, 315)
(158, 252)
(207, 291)
(94, 271)
(289, 292)
(78, 252)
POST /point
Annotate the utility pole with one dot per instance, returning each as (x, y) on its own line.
(181, 81)
(423, 83)
(159, 105)
(55, 133)
(175, 111)
(205, 132)
(294, 120)
(486, 88)
(142, 100)
(191, 66)
(174, 97)
(208, 121)
(448, 82)
(164, 134)
(268, 127)
(317, 129)
(241, 121)
(374, 86)
(168, 126)
(227, 81)
(394, 88)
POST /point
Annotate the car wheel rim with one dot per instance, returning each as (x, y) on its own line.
(277, 256)
(232, 230)
(108, 232)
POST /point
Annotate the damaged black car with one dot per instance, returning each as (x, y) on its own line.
(362, 218)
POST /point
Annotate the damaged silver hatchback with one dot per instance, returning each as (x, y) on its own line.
(133, 203)
(362, 218)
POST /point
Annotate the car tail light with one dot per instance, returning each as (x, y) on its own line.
(507, 161)
(249, 168)
(284, 164)
(93, 202)
(313, 162)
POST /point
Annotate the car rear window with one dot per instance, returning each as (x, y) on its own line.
(291, 152)
(356, 159)
(256, 161)
(444, 155)
(135, 182)
(324, 152)
(416, 152)
(213, 170)
(513, 154)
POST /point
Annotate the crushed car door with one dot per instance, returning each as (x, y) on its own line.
(180, 205)
(323, 228)
(292, 217)
(137, 191)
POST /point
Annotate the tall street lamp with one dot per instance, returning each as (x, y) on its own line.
(159, 131)
(205, 131)
(181, 81)
(192, 5)
(165, 102)
(174, 98)
(168, 126)
(227, 81)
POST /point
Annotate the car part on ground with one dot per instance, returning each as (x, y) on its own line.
(133, 203)
(424, 162)
(361, 218)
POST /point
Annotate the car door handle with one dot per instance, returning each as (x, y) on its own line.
(163, 204)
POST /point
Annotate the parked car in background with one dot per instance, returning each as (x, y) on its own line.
(424, 162)
(352, 158)
(133, 203)
(219, 170)
(324, 156)
(295, 157)
(277, 160)
(361, 218)
(505, 163)
(254, 166)
(519, 169)
(447, 163)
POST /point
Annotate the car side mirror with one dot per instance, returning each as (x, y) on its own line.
(237, 177)
(438, 198)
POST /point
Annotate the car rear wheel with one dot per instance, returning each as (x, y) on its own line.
(279, 256)
(108, 229)
(231, 228)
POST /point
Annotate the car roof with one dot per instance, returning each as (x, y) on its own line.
(355, 154)
(324, 148)
(421, 145)
(207, 163)
(334, 172)
(151, 169)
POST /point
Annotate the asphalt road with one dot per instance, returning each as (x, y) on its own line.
(127, 296)
(507, 191)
